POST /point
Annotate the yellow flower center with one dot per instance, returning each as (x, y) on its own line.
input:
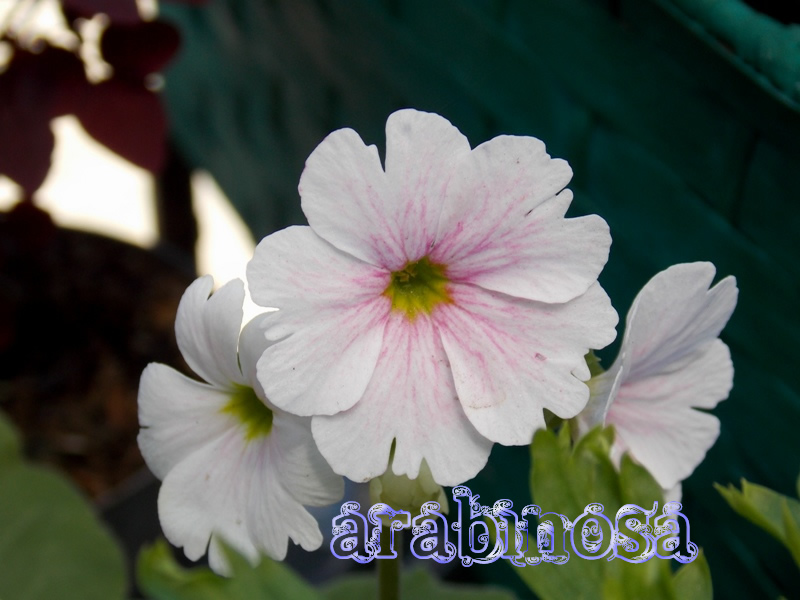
(418, 287)
(253, 414)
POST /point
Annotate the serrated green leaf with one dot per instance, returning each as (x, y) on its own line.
(693, 580)
(637, 486)
(161, 578)
(762, 506)
(415, 584)
(51, 544)
(564, 480)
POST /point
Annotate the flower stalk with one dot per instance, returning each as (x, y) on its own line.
(389, 570)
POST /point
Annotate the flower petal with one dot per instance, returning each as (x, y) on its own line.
(511, 357)
(668, 440)
(231, 488)
(503, 225)
(303, 471)
(252, 344)
(178, 415)
(673, 315)
(603, 389)
(423, 151)
(703, 381)
(333, 311)
(385, 219)
(410, 399)
(207, 330)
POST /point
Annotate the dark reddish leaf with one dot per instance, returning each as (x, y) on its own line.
(136, 51)
(128, 119)
(30, 95)
(119, 11)
(26, 151)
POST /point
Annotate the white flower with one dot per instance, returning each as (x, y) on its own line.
(442, 302)
(670, 363)
(233, 466)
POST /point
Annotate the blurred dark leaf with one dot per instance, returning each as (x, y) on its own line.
(128, 119)
(119, 11)
(30, 95)
(136, 51)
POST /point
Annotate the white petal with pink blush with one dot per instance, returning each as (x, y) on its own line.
(671, 364)
(441, 302)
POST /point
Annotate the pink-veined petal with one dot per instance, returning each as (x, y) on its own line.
(303, 471)
(410, 399)
(384, 218)
(423, 151)
(503, 226)
(231, 488)
(178, 415)
(668, 440)
(674, 315)
(511, 357)
(702, 382)
(332, 315)
(207, 329)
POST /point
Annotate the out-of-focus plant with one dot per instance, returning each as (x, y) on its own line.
(775, 513)
(102, 68)
(569, 476)
(51, 544)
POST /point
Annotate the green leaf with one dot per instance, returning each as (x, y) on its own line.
(161, 578)
(693, 580)
(417, 583)
(9, 442)
(51, 544)
(775, 513)
(792, 528)
(565, 480)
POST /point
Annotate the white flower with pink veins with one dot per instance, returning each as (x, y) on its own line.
(441, 302)
(671, 363)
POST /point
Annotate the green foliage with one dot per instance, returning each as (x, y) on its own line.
(161, 578)
(418, 583)
(775, 513)
(51, 544)
(564, 480)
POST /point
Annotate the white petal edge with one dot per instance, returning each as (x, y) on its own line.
(207, 330)
(230, 488)
(330, 321)
(177, 415)
(503, 226)
(673, 315)
(511, 358)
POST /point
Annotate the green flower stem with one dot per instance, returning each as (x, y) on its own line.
(389, 571)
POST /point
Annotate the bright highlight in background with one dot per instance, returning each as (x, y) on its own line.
(91, 188)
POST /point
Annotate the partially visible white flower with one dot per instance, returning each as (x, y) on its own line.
(671, 362)
(233, 466)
